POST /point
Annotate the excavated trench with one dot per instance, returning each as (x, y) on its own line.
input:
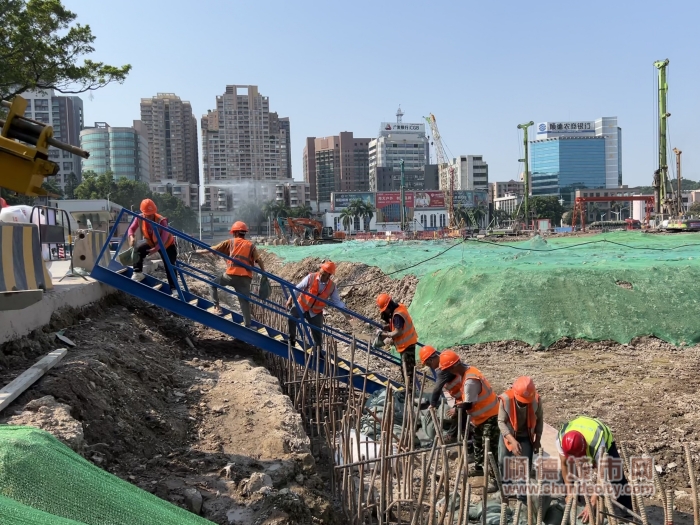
(206, 428)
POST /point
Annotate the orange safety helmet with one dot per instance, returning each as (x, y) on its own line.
(383, 300)
(524, 389)
(239, 226)
(3, 203)
(328, 267)
(448, 359)
(148, 207)
(573, 444)
(426, 353)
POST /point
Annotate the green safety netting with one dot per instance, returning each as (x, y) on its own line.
(580, 287)
(43, 482)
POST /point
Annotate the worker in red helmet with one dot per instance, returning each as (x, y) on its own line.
(236, 276)
(520, 422)
(149, 210)
(588, 438)
(399, 331)
(320, 285)
(471, 392)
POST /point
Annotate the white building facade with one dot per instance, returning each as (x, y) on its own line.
(471, 172)
(395, 142)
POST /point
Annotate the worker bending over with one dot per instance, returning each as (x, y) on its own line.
(320, 285)
(430, 358)
(520, 423)
(586, 437)
(400, 332)
(149, 211)
(470, 392)
(236, 276)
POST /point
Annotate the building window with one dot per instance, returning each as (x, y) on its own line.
(67, 166)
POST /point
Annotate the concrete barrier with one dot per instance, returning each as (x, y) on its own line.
(86, 249)
(22, 266)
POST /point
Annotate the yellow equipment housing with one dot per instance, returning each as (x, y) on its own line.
(24, 151)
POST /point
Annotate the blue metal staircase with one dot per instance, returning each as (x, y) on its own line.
(201, 310)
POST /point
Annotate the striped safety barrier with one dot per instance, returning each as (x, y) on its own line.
(22, 266)
(86, 251)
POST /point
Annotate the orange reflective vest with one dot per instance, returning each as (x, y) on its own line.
(241, 249)
(486, 404)
(508, 400)
(312, 303)
(150, 235)
(407, 335)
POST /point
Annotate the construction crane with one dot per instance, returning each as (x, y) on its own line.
(24, 150)
(446, 172)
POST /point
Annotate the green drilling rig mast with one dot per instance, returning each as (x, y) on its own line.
(662, 202)
(526, 176)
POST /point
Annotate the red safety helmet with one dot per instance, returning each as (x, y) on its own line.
(148, 207)
(524, 389)
(573, 444)
(239, 226)
(426, 353)
(383, 300)
(3, 203)
(448, 359)
(328, 267)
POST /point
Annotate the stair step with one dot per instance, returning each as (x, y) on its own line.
(158, 286)
(194, 302)
(122, 270)
(212, 310)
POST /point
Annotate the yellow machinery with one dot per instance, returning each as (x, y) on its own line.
(24, 151)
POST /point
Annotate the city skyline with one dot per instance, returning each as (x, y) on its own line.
(479, 88)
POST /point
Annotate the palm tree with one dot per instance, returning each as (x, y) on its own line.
(303, 211)
(347, 217)
(367, 214)
(252, 213)
(273, 209)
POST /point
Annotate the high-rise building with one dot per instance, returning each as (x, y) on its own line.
(336, 163)
(426, 179)
(566, 156)
(238, 143)
(280, 126)
(65, 115)
(395, 142)
(471, 172)
(122, 151)
(172, 139)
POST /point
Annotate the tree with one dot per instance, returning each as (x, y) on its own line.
(303, 211)
(252, 214)
(547, 208)
(566, 217)
(40, 49)
(694, 208)
(71, 184)
(273, 209)
(16, 199)
(346, 218)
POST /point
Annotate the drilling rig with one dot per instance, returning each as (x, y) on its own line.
(446, 172)
(663, 201)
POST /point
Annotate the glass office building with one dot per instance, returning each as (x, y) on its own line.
(567, 156)
(123, 151)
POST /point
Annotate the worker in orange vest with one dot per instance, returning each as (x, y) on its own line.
(322, 286)
(520, 422)
(400, 332)
(149, 210)
(236, 276)
(471, 392)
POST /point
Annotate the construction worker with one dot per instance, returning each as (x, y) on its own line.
(236, 276)
(430, 358)
(587, 437)
(400, 332)
(471, 392)
(321, 285)
(149, 210)
(520, 423)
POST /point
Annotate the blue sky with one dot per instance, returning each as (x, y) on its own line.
(480, 67)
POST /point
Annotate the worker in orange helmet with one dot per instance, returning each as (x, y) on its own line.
(400, 332)
(471, 392)
(149, 210)
(3, 203)
(322, 286)
(588, 439)
(431, 358)
(236, 276)
(520, 422)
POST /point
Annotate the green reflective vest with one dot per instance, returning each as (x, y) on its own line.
(593, 431)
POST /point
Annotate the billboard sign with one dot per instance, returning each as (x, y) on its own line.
(389, 206)
(565, 128)
(429, 199)
(340, 200)
(470, 199)
(402, 127)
